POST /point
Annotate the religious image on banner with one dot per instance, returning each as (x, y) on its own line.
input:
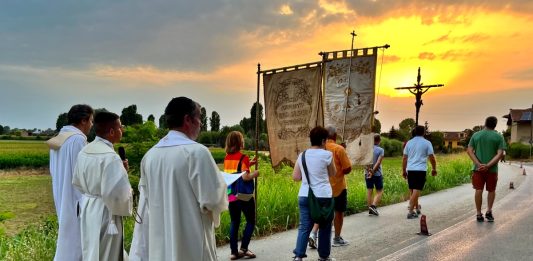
(292, 108)
(349, 104)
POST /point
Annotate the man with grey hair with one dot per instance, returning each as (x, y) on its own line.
(338, 185)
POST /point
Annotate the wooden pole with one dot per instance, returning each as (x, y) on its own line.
(348, 90)
(257, 133)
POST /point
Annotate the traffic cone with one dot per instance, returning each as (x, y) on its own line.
(524, 172)
(423, 227)
(521, 165)
(511, 185)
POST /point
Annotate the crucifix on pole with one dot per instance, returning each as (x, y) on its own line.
(418, 89)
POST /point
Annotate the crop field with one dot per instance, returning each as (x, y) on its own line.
(277, 204)
(15, 154)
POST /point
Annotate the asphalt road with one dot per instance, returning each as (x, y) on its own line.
(450, 218)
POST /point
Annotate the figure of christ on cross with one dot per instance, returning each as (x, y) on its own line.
(418, 89)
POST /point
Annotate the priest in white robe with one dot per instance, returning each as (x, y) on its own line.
(64, 149)
(101, 177)
(182, 193)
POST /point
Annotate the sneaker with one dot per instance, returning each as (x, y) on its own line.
(297, 259)
(339, 241)
(312, 241)
(326, 259)
(373, 210)
(489, 217)
(412, 215)
(480, 218)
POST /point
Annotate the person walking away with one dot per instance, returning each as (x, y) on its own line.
(374, 178)
(102, 178)
(320, 165)
(414, 166)
(485, 148)
(338, 186)
(64, 150)
(240, 195)
(181, 190)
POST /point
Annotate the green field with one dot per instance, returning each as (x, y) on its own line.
(277, 204)
(14, 154)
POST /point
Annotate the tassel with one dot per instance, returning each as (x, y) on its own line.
(112, 228)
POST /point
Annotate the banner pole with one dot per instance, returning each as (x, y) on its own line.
(257, 134)
(348, 89)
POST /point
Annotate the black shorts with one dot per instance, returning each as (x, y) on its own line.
(374, 181)
(341, 201)
(416, 179)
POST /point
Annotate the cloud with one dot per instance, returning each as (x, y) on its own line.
(457, 55)
(427, 56)
(520, 75)
(468, 38)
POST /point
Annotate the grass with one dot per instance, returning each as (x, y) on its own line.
(277, 203)
(24, 200)
(14, 154)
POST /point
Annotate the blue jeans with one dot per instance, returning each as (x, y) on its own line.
(235, 209)
(304, 229)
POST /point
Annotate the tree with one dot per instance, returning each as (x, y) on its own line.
(437, 140)
(61, 121)
(253, 117)
(377, 126)
(151, 118)
(130, 116)
(203, 119)
(7, 130)
(393, 133)
(1, 129)
(162, 122)
(406, 126)
(214, 121)
(225, 131)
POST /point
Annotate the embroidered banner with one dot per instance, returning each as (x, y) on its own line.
(292, 107)
(349, 104)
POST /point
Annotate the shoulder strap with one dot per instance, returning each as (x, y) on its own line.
(240, 164)
(305, 169)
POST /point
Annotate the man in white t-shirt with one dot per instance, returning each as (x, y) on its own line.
(414, 165)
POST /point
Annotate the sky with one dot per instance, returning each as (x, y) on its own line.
(111, 54)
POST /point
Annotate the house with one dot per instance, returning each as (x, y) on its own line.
(452, 139)
(519, 120)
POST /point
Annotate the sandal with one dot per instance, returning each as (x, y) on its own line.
(236, 256)
(247, 253)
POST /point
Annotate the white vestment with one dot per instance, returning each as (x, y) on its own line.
(182, 196)
(107, 197)
(63, 155)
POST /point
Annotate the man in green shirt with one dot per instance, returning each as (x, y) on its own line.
(486, 149)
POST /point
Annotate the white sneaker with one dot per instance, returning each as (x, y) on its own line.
(312, 241)
(339, 241)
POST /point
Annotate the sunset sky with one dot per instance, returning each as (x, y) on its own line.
(112, 54)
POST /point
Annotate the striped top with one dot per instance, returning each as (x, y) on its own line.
(231, 162)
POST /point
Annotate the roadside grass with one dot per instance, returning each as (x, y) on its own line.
(277, 203)
(26, 200)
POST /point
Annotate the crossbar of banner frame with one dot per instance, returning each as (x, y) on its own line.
(342, 54)
(291, 68)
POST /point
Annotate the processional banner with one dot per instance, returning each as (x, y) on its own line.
(293, 107)
(349, 103)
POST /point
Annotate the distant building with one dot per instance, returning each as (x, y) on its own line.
(452, 139)
(519, 120)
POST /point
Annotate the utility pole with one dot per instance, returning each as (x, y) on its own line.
(418, 89)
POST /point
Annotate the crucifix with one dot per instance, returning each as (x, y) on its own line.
(418, 89)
